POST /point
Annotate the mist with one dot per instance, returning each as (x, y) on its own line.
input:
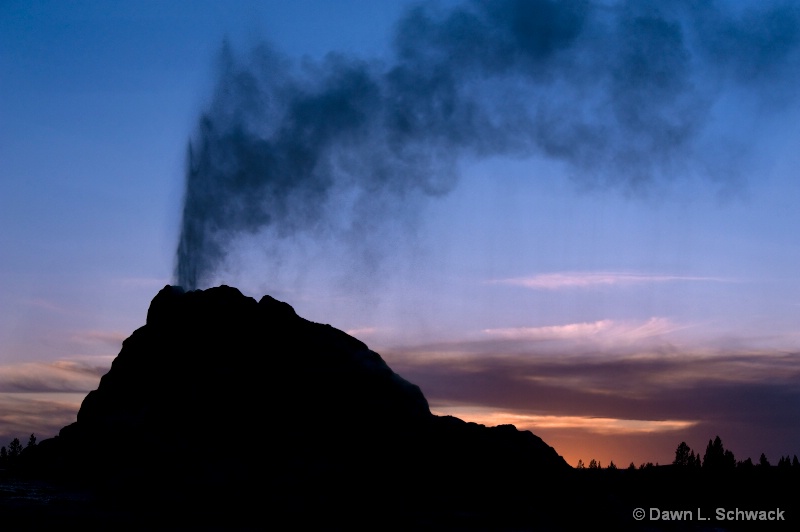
(625, 94)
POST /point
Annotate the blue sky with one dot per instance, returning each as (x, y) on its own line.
(552, 286)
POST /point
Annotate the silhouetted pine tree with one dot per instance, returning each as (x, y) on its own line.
(729, 461)
(14, 448)
(682, 455)
(716, 457)
(762, 461)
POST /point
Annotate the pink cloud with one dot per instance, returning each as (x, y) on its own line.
(561, 280)
(58, 376)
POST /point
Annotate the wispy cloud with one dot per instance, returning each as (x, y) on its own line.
(48, 305)
(109, 338)
(363, 331)
(602, 330)
(553, 332)
(78, 376)
(22, 414)
(534, 422)
(566, 280)
(742, 392)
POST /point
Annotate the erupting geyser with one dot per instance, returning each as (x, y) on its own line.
(623, 92)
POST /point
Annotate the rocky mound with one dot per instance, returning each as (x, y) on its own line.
(223, 402)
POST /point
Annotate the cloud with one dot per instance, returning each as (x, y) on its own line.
(534, 422)
(79, 376)
(568, 280)
(48, 305)
(22, 414)
(755, 389)
(110, 338)
(554, 332)
(43, 397)
(598, 331)
(363, 331)
(634, 406)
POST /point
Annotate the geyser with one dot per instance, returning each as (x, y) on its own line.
(624, 93)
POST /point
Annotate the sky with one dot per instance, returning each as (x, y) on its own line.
(575, 217)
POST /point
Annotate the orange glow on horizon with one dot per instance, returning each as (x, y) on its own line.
(584, 438)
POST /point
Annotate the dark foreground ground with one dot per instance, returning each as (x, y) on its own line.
(666, 499)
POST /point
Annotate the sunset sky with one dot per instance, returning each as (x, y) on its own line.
(604, 251)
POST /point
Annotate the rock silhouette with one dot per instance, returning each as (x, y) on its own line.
(221, 407)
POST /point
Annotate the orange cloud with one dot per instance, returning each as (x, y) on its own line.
(535, 422)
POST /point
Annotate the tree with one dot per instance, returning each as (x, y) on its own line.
(594, 464)
(31, 441)
(795, 463)
(716, 457)
(14, 448)
(632, 467)
(729, 461)
(682, 456)
(747, 464)
(762, 461)
(580, 464)
(611, 465)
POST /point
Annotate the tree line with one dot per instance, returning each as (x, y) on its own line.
(716, 458)
(9, 456)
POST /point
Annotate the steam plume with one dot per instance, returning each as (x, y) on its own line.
(624, 93)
